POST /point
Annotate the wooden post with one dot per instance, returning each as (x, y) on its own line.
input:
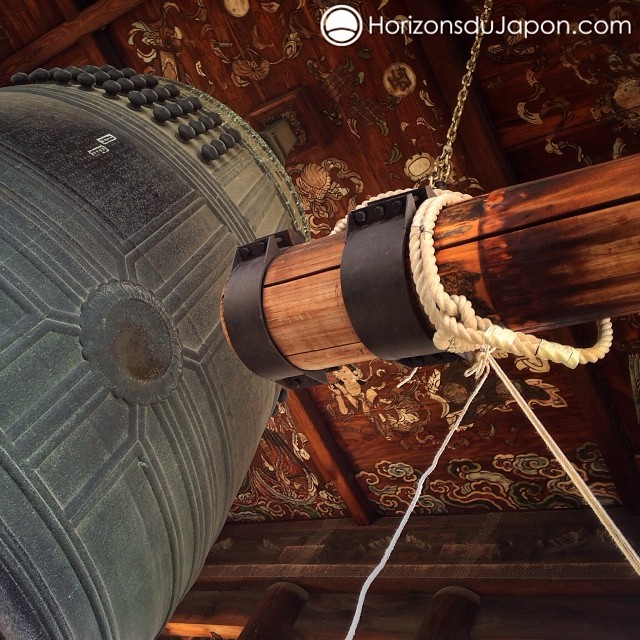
(550, 253)
(276, 613)
(450, 615)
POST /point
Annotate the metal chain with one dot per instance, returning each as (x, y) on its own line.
(442, 167)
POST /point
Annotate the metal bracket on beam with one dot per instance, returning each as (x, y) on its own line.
(377, 284)
(244, 316)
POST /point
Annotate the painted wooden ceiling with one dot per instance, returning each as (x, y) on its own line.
(372, 117)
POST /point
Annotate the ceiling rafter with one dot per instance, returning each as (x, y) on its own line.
(328, 457)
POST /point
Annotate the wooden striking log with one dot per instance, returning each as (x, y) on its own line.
(450, 615)
(550, 253)
(276, 613)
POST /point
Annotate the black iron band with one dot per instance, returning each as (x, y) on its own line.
(376, 282)
(244, 315)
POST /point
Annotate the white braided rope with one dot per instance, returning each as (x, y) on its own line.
(458, 328)
(583, 488)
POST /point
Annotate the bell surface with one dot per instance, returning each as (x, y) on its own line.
(126, 423)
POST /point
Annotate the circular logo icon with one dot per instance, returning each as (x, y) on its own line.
(341, 25)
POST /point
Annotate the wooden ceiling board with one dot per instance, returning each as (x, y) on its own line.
(560, 101)
(497, 461)
(378, 141)
(23, 21)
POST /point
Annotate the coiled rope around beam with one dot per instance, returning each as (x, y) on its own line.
(458, 328)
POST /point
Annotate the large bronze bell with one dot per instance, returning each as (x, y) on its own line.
(126, 423)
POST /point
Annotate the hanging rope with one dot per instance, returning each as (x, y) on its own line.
(482, 370)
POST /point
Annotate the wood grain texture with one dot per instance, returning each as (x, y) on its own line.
(538, 202)
(539, 255)
(87, 42)
(304, 309)
(63, 36)
(306, 316)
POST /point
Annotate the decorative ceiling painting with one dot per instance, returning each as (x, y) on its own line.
(282, 482)
(562, 101)
(372, 117)
(496, 461)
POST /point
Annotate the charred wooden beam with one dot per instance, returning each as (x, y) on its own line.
(328, 457)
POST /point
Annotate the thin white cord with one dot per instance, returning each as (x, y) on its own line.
(484, 372)
(610, 526)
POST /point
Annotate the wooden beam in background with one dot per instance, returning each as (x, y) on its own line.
(450, 615)
(328, 616)
(538, 553)
(90, 47)
(63, 36)
(444, 54)
(328, 457)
